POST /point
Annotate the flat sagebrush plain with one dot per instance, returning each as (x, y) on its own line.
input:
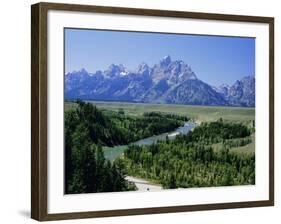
(197, 113)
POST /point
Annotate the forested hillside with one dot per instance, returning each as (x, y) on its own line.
(87, 129)
(190, 160)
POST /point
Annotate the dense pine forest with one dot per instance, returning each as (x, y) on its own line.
(190, 160)
(87, 129)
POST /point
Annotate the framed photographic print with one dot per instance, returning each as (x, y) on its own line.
(139, 111)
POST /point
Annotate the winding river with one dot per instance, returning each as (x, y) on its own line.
(112, 153)
(188, 126)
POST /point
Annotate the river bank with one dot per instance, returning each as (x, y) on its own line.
(112, 153)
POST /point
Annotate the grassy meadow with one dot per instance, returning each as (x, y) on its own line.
(197, 113)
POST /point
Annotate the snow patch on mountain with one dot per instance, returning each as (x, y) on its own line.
(166, 82)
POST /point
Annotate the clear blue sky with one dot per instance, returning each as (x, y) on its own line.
(214, 59)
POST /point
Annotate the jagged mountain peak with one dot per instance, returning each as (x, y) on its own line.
(83, 70)
(143, 69)
(116, 70)
(240, 93)
(248, 77)
(172, 71)
(166, 82)
(165, 61)
(78, 72)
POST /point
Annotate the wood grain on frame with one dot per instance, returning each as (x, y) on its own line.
(39, 204)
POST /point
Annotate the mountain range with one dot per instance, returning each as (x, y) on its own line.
(172, 82)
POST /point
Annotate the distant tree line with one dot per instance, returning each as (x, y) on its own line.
(133, 128)
(217, 131)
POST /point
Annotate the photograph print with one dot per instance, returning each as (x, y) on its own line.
(147, 111)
